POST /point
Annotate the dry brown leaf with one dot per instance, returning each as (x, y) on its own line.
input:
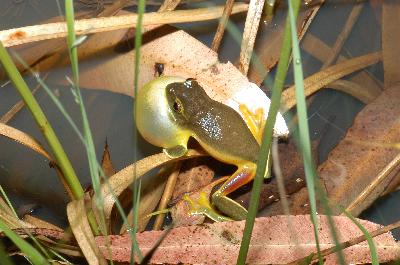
(106, 163)
(194, 174)
(77, 218)
(40, 223)
(390, 41)
(24, 139)
(180, 212)
(149, 198)
(271, 243)
(349, 168)
(181, 54)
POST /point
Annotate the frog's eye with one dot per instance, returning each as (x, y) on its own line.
(177, 106)
(188, 82)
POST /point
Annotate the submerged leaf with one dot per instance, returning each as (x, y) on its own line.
(272, 242)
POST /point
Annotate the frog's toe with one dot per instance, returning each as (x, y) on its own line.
(176, 151)
(203, 206)
(229, 207)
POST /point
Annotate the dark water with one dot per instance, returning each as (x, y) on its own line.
(28, 179)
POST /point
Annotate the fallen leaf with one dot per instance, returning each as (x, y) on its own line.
(354, 163)
(79, 223)
(106, 163)
(194, 174)
(180, 212)
(272, 242)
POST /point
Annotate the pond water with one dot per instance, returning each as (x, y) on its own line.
(27, 178)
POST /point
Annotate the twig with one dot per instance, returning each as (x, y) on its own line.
(249, 35)
(169, 189)
(354, 206)
(114, 8)
(169, 5)
(337, 47)
(222, 25)
(348, 243)
(12, 37)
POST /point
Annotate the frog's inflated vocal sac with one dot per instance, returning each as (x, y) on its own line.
(172, 109)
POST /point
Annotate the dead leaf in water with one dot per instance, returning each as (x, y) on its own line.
(271, 243)
(349, 168)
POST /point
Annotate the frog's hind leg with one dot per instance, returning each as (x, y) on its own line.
(243, 175)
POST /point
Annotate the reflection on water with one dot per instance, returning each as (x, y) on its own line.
(28, 178)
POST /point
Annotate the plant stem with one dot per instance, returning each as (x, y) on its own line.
(267, 138)
(61, 158)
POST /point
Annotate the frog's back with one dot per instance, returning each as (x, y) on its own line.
(224, 134)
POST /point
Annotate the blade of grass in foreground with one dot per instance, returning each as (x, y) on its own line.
(136, 184)
(44, 125)
(267, 138)
(304, 140)
(372, 248)
(33, 255)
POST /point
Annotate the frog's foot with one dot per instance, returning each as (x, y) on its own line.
(255, 121)
(243, 175)
(203, 206)
(229, 206)
(176, 151)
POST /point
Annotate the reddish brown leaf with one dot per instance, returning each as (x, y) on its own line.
(194, 175)
(272, 242)
(106, 163)
(180, 213)
(364, 152)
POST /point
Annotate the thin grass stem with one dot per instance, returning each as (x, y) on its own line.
(267, 138)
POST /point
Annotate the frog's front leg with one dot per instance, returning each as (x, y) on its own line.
(243, 175)
(255, 121)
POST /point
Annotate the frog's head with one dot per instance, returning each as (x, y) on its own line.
(186, 100)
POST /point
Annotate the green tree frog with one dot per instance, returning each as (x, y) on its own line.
(170, 110)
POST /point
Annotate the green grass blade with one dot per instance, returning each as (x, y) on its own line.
(136, 184)
(44, 125)
(34, 256)
(4, 257)
(305, 144)
(371, 244)
(267, 139)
